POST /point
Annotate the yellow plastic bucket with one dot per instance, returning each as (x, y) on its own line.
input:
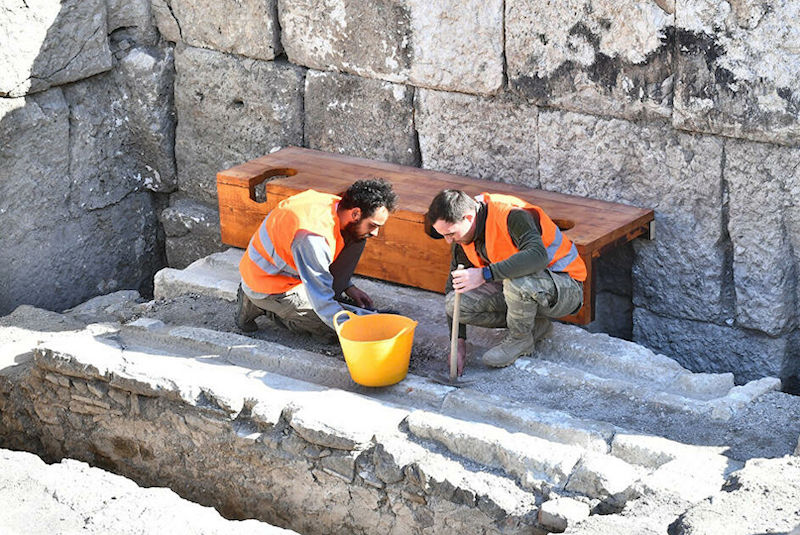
(376, 347)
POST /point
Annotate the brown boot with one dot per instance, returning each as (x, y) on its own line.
(246, 312)
(510, 349)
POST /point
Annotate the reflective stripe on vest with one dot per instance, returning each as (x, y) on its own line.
(561, 252)
(268, 265)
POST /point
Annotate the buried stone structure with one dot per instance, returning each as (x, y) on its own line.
(116, 116)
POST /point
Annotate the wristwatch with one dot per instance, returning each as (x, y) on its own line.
(487, 274)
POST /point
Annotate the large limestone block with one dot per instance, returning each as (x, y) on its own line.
(247, 28)
(231, 110)
(764, 226)
(51, 42)
(454, 45)
(681, 272)
(360, 117)
(738, 64)
(602, 56)
(707, 347)
(489, 138)
(192, 230)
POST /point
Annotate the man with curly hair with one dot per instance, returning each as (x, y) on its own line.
(301, 258)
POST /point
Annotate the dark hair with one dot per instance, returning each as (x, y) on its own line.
(450, 205)
(369, 194)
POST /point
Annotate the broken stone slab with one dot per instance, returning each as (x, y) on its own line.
(360, 117)
(51, 43)
(532, 461)
(614, 57)
(737, 69)
(245, 28)
(606, 478)
(559, 514)
(689, 472)
(616, 358)
(37, 500)
(173, 282)
(192, 229)
(758, 175)
(261, 102)
(549, 424)
(698, 345)
(639, 164)
(762, 497)
(451, 125)
(327, 419)
(117, 304)
(455, 46)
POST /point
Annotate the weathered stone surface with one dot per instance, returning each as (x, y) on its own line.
(51, 42)
(652, 166)
(604, 477)
(71, 496)
(764, 226)
(360, 117)
(763, 497)
(132, 22)
(607, 57)
(147, 76)
(192, 230)
(246, 28)
(556, 515)
(489, 138)
(701, 346)
(737, 69)
(73, 177)
(231, 110)
(452, 45)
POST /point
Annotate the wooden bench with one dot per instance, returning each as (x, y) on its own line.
(402, 252)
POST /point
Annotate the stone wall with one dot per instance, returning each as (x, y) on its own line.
(689, 108)
(87, 131)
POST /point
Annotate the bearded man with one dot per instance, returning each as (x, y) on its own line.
(304, 253)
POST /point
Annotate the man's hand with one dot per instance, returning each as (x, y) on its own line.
(468, 279)
(359, 297)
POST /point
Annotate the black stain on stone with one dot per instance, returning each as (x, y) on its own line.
(792, 102)
(699, 44)
(646, 79)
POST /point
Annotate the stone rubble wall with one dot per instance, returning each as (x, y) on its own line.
(689, 108)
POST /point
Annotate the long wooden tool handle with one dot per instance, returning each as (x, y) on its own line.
(454, 335)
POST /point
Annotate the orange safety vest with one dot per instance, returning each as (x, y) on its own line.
(311, 211)
(561, 252)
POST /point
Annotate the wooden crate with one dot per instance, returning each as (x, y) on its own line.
(402, 252)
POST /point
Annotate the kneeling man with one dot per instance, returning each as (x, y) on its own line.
(521, 270)
(304, 253)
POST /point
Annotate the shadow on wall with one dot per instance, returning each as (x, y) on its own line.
(79, 160)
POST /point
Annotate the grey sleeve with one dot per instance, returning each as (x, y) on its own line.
(313, 258)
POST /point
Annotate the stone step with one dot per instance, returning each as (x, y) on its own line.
(570, 358)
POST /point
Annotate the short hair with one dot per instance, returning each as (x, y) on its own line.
(449, 205)
(369, 194)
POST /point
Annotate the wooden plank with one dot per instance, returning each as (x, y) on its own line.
(594, 226)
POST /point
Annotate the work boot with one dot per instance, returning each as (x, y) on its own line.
(541, 328)
(510, 349)
(246, 312)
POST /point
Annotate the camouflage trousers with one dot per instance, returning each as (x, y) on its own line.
(515, 303)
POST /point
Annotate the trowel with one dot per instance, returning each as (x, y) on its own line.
(453, 379)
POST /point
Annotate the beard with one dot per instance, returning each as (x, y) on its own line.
(350, 232)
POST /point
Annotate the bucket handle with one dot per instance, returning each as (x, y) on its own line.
(338, 326)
